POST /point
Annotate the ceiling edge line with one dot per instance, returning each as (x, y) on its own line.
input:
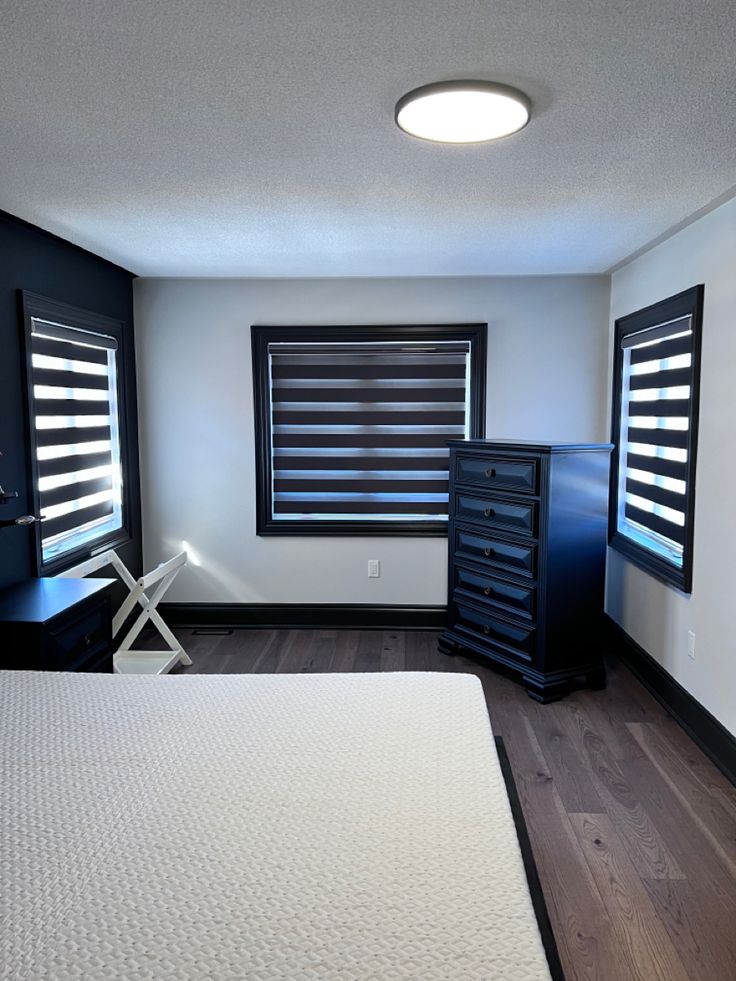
(673, 230)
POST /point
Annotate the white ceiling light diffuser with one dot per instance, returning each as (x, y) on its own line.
(463, 111)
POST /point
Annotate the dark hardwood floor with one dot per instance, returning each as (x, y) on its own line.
(633, 829)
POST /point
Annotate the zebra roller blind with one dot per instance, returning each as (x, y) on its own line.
(656, 436)
(358, 429)
(74, 407)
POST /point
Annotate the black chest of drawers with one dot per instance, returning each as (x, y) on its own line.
(527, 552)
(56, 625)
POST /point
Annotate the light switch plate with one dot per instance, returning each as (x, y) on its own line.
(691, 644)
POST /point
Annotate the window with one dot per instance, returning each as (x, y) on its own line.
(655, 429)
(73, 370)
(352, 425)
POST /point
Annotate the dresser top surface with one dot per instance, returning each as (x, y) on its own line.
(538, 446)
(40, 600)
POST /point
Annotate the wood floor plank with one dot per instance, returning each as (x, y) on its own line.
(626, 698)
(690, 913)
(598, 706)
(571, 777)
(438, 661)
(201, 648)
(222, 652)
(200, 645)
(211, 663)
(421, 650)
(232, 644)
(393, 650)
(713, 820)
(727, 797)
(450, 662)
(646, 847)
(645, 951)
(694, 758)
(321, 652)
(579, 918)
(683, 835)
(346, 649)
(297, 652)
(274, 652)
(368, 655)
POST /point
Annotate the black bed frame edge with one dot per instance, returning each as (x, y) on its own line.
(530, 867)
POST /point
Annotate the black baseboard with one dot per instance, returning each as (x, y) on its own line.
(319, 616)
(530, 866)
(703, 728)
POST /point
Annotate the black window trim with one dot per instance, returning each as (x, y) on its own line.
(263, 335)
(32, 306)
(688, 303)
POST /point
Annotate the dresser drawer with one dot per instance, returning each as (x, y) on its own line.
(88, 634)
(514, 597)
(493, 472)
(515, 638)
(493, 512)
(509, 556)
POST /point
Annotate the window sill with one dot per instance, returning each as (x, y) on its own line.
(659, 568)
(68, 560)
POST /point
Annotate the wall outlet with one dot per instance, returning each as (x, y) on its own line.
(691, 644)
(374, 568)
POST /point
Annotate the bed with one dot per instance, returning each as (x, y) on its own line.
(353, 827)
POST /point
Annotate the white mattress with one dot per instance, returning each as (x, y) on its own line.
(258, 827)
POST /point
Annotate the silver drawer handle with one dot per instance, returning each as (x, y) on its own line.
(488, 552)
(488, 591)
(486, 628)
(489, 513)
(490, 472)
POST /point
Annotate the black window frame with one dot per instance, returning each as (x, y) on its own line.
(263, 335)
(32, 306)
(688, 303)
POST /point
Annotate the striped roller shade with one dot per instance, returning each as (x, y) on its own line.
(76, 435)
(359, 430)
(655, 433)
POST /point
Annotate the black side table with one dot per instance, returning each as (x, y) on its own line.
(56, 625)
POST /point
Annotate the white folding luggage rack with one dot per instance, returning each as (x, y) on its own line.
(125, 660)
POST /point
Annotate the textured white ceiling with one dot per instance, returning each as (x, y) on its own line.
(256, 137)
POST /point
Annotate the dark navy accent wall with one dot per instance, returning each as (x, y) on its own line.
(34, 260)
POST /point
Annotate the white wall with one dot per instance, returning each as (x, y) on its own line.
(547, 378)
(657, 616)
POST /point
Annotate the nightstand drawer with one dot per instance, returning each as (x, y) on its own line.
(494, 472)
(494, 512)
(516, 598)
(94, 660)
(513, 557)
(515, 638)
(86, 635)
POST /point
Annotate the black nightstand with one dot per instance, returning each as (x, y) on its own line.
(56, 625)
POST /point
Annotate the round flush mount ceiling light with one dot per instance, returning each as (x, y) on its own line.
(463, 111)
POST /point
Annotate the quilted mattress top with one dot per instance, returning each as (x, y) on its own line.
(322, 827)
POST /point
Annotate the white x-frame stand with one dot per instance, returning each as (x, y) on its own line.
(125, 660)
